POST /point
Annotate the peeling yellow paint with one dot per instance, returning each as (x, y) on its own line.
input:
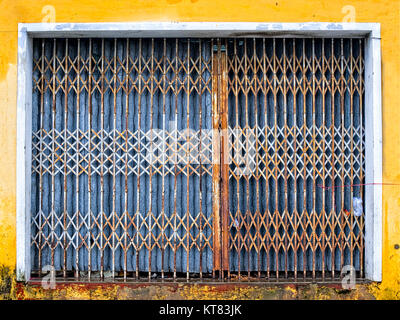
(384, 11)
(10, 289)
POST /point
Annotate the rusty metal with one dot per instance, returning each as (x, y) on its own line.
(224, 145)
(216, 165)
(224, 177)
(122, 192)
(310, 139)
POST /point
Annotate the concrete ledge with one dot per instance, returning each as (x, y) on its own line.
(177, 291)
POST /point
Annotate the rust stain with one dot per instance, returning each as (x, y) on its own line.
(10, 289)
(223, 102)
(216, 167)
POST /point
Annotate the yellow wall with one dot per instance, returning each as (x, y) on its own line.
(385, 12)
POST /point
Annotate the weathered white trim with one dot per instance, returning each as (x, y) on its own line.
(373, 116)
(24, 134)
(200, 29)
(373, 160)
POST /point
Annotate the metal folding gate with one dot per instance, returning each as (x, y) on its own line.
(197, 158)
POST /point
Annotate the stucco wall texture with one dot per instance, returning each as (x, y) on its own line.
(385, 12)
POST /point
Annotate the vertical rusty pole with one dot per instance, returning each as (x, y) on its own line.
(216, 165)
(223, 102)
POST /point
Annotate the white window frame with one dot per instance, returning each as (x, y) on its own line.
(373, 107)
